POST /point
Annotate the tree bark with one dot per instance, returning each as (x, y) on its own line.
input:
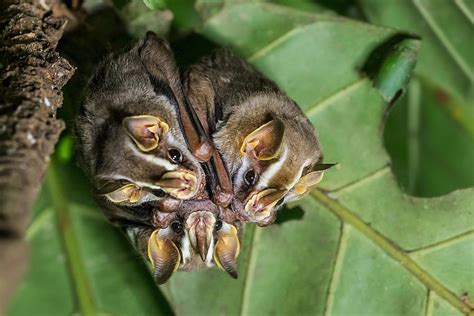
(31, 75)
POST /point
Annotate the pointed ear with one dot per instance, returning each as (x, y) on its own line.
(265, 141)
(156, 55)
(159, 62)
(164, 257)
(227, 249)
(311, 179)
(145, 130)
(130, 192)
(323, 166)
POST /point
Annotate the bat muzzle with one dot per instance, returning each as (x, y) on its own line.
(200, 227)
(179, 184)
(261, 204)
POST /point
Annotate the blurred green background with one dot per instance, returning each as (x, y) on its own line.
(348, 261)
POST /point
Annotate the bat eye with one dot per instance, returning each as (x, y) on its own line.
(249, 177)
(175, 155)
(158, 193)
(177, 227)
(218, 225)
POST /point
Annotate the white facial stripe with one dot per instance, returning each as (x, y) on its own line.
(170, 139)
(210, 254)
(267, 176)
(239, 178)
(151, 158)
(185, 246)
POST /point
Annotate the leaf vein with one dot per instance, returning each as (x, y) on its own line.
(443, 39)
(281, 39)
(70, 244)
(336, 272)
(357, 183)
(322, 104)
(465, 10)
(249, 275)
(441, 244)
(429, 303)
(390, 248)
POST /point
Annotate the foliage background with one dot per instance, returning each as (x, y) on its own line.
(361, 248)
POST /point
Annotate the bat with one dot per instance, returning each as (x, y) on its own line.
(130, 133)
(269, 147)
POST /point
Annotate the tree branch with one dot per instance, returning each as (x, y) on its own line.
(31, 75)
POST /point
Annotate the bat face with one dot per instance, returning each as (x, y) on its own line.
(130, 138)
(193, 239)
(167, 165)
(268, 145)
(274, 166)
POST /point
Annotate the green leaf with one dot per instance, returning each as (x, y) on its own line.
(141, 19)
(430, 135)
(362, 247)
(392, 71)
(446, 28)
(430, 145)
(208, 8)
(185, 16)
(155, 4)
(79, 263)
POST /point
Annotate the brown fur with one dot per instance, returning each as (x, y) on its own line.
(237, 99)
(141, 80)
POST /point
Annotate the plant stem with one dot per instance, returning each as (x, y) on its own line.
(71, 246)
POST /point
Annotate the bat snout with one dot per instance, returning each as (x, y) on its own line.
(261, 205)
(200, 226)
(179, 184)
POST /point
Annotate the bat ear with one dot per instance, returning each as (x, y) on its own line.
(130, 192)
(311, 179)
(157, 57)
(323, 166)
(164, 257)
(145, 130)
(155, 52)
(227, 249)
(264, 142)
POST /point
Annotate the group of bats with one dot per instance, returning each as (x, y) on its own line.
(182, 162)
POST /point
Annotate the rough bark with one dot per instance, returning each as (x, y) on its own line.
(31, 75)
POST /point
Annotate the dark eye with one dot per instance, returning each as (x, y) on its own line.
(177, 227)
(158, 193)
(175, 155)
(249, 177)
(218, 225)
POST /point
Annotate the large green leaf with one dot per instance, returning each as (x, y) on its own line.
(362, 247)
(447, 31)
(431, 151)
(430, 136)
(78, 262)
